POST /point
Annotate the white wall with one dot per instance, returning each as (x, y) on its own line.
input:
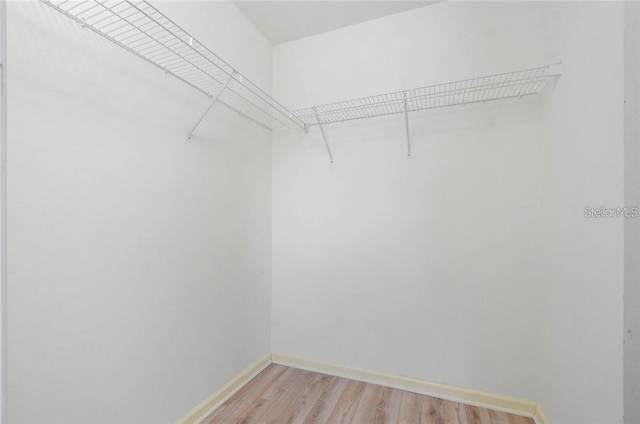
(583, 165)
(632, 226)
(3, 216)
(471, 263)
(139, 264)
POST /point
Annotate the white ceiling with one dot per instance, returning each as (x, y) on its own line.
(282, 21)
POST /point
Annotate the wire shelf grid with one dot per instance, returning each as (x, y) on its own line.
(143, 30)
(508, 85)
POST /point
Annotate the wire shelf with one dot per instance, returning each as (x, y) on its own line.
(508, 85)
(146, 32)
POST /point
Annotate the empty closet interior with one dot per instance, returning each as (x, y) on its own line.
(211, 199)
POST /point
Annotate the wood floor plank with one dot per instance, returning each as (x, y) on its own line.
(347, 404)
(287, 401)
(526, 420)
(392, 407)
(484, 415)
(432, 411)
(517, 419)
(281, 384)
(367, 406)
(374, 406)
(450, 412)
(215, 415)
(262, 381)
(302, 407)
(250, 392)
(410, 408)
(498, 417)
(252, 414)
(285, 395)
(474, 415)
(327, 402)
(461, 413)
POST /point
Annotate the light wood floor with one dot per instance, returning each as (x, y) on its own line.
(283, 395)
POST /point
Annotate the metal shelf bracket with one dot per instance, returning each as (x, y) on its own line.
(555, 70)
(324, 136)
(406, 123)
(213, 102)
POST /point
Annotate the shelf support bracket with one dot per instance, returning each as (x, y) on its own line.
(213, 102)
(555, 70)
(324, 136)
(406, 123)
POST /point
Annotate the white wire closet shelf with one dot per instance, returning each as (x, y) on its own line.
(503, 86)
(143, 30)
(146, 32)
(516, 84)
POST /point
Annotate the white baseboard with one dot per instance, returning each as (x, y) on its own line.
(206, 407)
(479, 398)
(538, 416)
(474, 397)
